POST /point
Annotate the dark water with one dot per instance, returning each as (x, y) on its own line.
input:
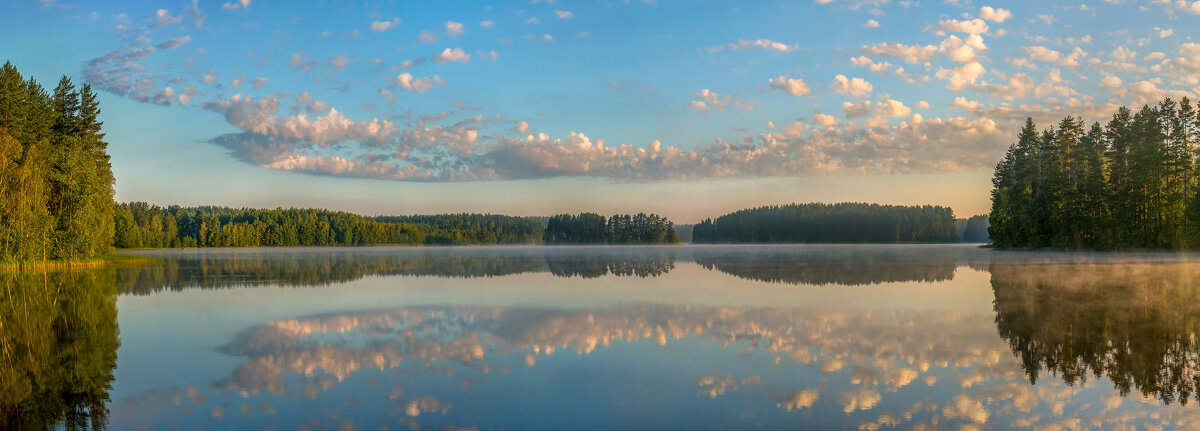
(809, 337)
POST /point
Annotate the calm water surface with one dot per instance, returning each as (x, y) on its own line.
(687, 337)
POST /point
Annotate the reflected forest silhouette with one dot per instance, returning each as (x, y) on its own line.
(58, 344)
(816, 265)
(1135, 324)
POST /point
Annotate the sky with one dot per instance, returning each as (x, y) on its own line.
(689, 109)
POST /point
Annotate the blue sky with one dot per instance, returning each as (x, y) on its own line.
(689, 109)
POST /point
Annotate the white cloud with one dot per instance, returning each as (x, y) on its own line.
(856, 87)
(454, 28)
(962, 51)
(384, 25)
(994, 15)
(909, 53)
(163, 18)
(871, 24)
(893, 108)
(963, 103)
(448, 54)
(412, 84)
(825, 120)
(241, 4)
(564, 14)
(961, 77)
(973, 26)
(795, 87)
(487, 24)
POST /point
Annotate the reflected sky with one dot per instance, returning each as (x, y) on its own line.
(825, 337)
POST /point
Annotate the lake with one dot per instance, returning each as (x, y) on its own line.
(602, 338)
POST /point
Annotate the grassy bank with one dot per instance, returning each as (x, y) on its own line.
(108, 259)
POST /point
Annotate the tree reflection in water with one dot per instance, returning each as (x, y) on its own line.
(1132, 323)
(58, 345)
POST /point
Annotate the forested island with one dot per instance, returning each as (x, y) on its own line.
(592, 228)
(830, 223)
(1128, 184)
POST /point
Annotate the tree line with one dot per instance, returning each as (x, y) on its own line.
(56, 184)
(142, 225)
(830, 223)
(1126, 184)
(592, 228)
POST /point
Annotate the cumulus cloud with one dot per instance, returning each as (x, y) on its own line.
(795, 87)
(856, 87)
(454, 28)
(958, 78)
(448, 54)
(412, 84)
(996, 15)
(564, 14)
(972, 26)
(871, 24)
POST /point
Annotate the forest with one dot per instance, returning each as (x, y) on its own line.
(830, 223)
(56, 184)
(1127, 184)
(142, 225)
(592, 228)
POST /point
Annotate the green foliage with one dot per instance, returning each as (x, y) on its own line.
(58, 348)
(56, 184)
(830, 223)
(473, 228)
(1127, 184)
(142, 225)
(592, 228)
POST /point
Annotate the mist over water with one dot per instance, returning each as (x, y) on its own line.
(682, 337)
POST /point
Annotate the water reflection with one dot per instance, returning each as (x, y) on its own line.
(58, 345)
(813, 265)
(1073, 341)
(827, 368)
(1132, 323)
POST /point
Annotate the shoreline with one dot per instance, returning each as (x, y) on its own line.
(108, 259)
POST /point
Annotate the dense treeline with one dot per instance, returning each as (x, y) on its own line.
(473, 228)
(591, 228)
(1127, 184)
(56, 184)
(830, 223)
(141, 225)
